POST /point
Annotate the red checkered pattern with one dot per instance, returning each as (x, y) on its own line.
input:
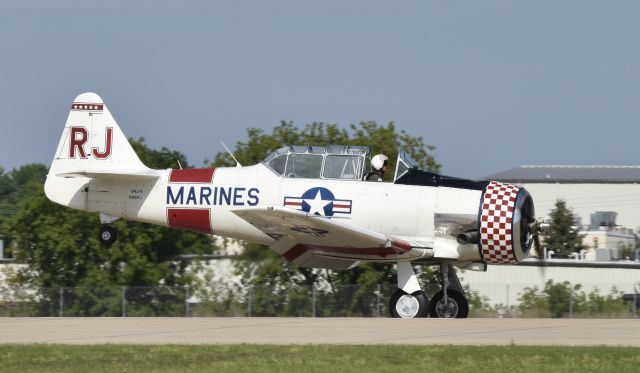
(495, 223)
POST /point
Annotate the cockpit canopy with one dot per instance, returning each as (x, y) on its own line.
(343, 162)
(404, 164)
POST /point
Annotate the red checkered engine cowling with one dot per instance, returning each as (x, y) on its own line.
(496, 223)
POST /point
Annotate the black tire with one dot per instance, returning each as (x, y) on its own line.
(408, 306)
(458, 305)
(107, 235)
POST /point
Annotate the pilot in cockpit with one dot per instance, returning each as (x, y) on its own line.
(379, 165)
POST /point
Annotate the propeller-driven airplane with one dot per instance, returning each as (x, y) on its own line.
(308, 203)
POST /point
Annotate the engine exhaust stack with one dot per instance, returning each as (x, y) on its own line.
(466, 238)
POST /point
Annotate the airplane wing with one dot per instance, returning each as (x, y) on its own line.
(113, 174)
(318, 241)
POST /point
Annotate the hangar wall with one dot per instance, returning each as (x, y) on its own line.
(504, 284)
(585, 199)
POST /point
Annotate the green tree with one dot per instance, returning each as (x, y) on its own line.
(12, 185)
(564, 300)
(627, 251)
(280, 287)
(554, 300)
(163, 158)
(562, 237)
(7, 204)
(61, 248)
(380, 139)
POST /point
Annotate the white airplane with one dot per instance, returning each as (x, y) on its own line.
(308, 203)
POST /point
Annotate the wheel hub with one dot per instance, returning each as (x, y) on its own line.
(106, 235)
(447, 310)
(407, 306)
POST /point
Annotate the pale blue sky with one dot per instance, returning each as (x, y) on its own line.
(492, 84)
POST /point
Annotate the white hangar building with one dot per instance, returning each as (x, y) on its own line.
(586, 189)
(504, 284)
(605, 199)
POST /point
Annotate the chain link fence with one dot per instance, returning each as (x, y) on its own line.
(560, 300)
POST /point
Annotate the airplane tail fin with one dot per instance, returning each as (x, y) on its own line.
(91, 142)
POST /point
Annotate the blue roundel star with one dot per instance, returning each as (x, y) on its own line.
(318, 201)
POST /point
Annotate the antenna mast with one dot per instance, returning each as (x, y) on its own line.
(231, 154)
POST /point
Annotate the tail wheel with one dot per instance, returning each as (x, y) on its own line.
(107, 235)
(456, 307)
(408, 306)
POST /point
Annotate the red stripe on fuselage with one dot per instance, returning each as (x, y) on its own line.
(192, 175)
(198, 220)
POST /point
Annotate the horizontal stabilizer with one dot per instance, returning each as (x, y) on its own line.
(113, 174)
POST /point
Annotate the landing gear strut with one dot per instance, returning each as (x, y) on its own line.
(409, 301)
(449, 302)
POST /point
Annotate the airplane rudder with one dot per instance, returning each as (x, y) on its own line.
(92, 139)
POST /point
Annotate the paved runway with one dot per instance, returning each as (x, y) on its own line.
(578, 332)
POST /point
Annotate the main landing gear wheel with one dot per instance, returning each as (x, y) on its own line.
(107, 235)
(408, 306)
(456, 307)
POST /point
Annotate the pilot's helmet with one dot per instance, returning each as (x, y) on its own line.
(378, 161)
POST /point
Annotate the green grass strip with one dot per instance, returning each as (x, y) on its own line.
(315, 358)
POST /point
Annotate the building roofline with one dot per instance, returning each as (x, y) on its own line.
(569, 174)
(578, 166)
(562, 181)
(532, 262)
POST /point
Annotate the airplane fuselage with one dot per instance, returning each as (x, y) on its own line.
(202, 200)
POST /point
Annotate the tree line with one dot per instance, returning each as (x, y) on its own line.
(558, 300)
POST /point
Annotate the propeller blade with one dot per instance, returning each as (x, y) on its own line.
(538, 246)
(538, 227)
